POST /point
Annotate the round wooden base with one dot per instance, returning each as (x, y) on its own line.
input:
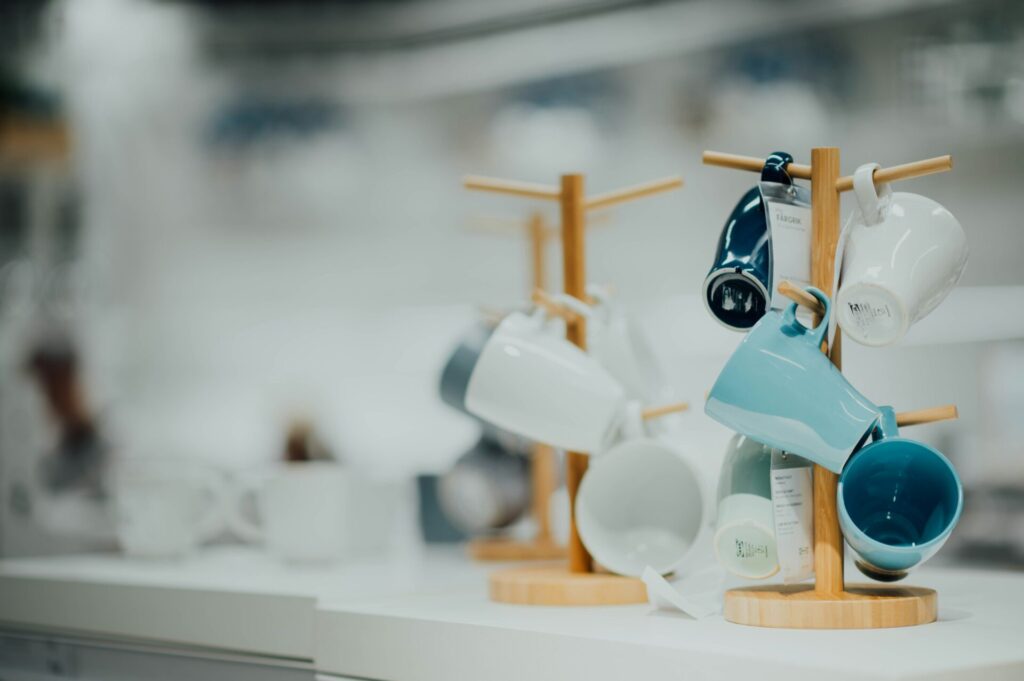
(499, 549)
(861, 606)
(555, 585)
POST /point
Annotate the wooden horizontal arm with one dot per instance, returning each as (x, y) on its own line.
(752, 163)
(801, 297)
(928, 166)
(635, 192)
(930, 415)
(512, 187)
(552, 306)
(664, 409)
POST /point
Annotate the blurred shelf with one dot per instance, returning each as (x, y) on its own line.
(622, 34)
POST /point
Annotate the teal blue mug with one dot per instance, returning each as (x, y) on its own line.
(898, 501)
(779, 388)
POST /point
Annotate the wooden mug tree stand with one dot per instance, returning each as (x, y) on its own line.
(830, 603)
(574, 583)
(543, 473)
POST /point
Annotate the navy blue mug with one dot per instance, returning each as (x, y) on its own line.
(737, 290)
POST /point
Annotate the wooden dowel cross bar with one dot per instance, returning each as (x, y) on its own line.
(664, 410)
(635, 192)
(553, 307)
(928, 166)
(513, 187)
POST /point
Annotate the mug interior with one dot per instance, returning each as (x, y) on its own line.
(736, 298)
(901, 493)
(639, 505)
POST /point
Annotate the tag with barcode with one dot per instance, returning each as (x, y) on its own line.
(793, 514)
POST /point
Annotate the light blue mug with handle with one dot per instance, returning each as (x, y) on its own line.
(898, 501)
(779, 388)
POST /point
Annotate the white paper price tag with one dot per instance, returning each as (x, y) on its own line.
(791, 246)
(793, 512)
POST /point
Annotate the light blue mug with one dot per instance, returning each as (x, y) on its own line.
(898, 501)
(779, 388)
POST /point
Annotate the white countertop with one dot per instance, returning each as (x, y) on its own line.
(427, 618)
(460, 634)
(229, 598)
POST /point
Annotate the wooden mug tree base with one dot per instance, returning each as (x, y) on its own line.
(860, 606)
(556, 585)
(503, 549)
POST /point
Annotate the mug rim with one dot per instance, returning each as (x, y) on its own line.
(841, 502)
(745, 274)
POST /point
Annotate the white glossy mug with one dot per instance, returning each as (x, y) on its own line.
(903, 254)
(302, 509)
(532, 382)
(166, 507)
(640, 504)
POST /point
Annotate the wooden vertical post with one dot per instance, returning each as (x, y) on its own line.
(828, 541)
(574, 260)
(538, 240)
(543, 477)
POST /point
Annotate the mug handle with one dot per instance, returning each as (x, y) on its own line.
(774, 169)
(574, 304)
(817, 334)
(241, 525)
(869, 198)
(886, 425)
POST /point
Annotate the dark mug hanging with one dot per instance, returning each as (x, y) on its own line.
(737, 290)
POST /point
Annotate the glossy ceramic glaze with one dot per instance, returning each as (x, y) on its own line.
(898, 501)
(640, 505)
(737, 289)
(459, 367)
(744, 531)
(535, 383)
(904, 254)
(780, 389)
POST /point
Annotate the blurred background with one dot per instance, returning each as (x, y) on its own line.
(226, 227)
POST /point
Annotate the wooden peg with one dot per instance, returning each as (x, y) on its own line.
(929, 166)
(930, 415)
(553, 307)
(752, 163)
(663, 410)
(512, 187)
(635, 192)
(802, 297)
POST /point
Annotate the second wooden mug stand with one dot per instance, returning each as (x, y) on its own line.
(830, 603)
(574, 583)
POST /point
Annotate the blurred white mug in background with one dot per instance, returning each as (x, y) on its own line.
(301, 508)
(165, 507)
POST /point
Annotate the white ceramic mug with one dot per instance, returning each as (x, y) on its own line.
(745, 528)
(903, 254)
(539, 385)
(640, 505)
(166, 507)
(302, 510)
